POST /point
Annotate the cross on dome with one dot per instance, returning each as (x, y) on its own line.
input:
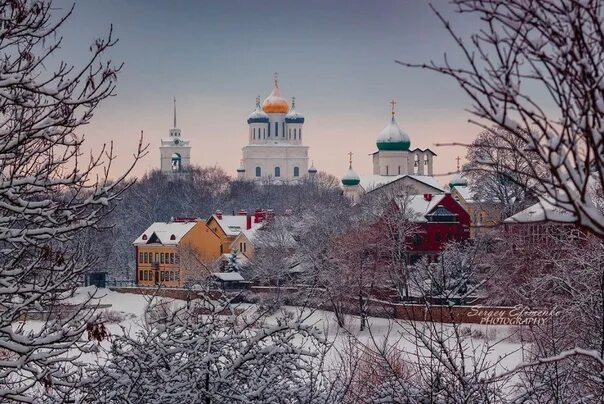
(350, 160)
(276, 77)
(393, 103)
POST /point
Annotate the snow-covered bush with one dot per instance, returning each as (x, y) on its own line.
(188, 357)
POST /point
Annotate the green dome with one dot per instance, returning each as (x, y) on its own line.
(350, 178)
(458, 180)
(393, 145)
(393, 138)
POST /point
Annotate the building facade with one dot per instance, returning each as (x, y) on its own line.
(173, 253)
(275, 148)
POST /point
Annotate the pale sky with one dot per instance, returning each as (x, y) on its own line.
(215, 57)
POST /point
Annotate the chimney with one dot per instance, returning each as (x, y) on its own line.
(270, 215)
(248, 222)
(242, 212)
(258, 216)
(219, 214)
(428, 197)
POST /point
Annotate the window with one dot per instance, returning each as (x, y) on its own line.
(176, 258)
(276, 129)
(254, 133)
(177, 276)
(171, 275)
(277, 172)
(386, 170)
(146, 258)
(140, 275)
(171, 258)
(157, 258)
(300, 134)
(161, 258)
(258, 172)
(289, 133)
(264, 133)
(140, 257)
(399, 170)
(283, 129)
(296, 171)
(269, 131)
(145, 275)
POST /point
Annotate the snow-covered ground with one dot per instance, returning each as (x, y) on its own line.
(127, 311)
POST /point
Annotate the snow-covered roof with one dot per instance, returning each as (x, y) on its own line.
(418, 206)
(392, 134)
(373, 182)
(540, 212)
(168, 233)
(233, 225)
(465, 192)
(229, 276)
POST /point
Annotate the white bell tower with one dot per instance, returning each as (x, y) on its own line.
(175, 151)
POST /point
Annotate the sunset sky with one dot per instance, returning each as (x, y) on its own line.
(215, 57)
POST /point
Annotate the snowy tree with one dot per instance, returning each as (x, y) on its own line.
(496, 174)
(50, 192)
(533, 69)
(233, 262)
(458, 274)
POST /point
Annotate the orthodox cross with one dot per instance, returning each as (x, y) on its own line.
(458, 160)
(393, 103)
(350, 160)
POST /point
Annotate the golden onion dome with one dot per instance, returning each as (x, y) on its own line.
(274, 103)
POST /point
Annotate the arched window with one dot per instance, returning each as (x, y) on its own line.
(277, 172)
(254, 133)
(296, 171)
(258, 172)
(176, 162)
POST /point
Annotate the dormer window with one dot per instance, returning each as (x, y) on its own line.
(172, 237)
(144, 236)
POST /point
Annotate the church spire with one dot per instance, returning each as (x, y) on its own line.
(174, 112)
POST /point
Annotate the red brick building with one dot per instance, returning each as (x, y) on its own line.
(437, 220)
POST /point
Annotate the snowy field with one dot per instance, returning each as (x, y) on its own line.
(503, 345)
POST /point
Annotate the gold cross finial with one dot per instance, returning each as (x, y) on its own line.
(458, 160)
(350, 160)
(276, 77)
(393, 103)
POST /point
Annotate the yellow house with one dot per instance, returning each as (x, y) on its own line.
(483, 215)
(228, 228)
(175, 252)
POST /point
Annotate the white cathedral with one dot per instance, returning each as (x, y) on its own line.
(175, 152)
(275, 150)
(394, 163)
